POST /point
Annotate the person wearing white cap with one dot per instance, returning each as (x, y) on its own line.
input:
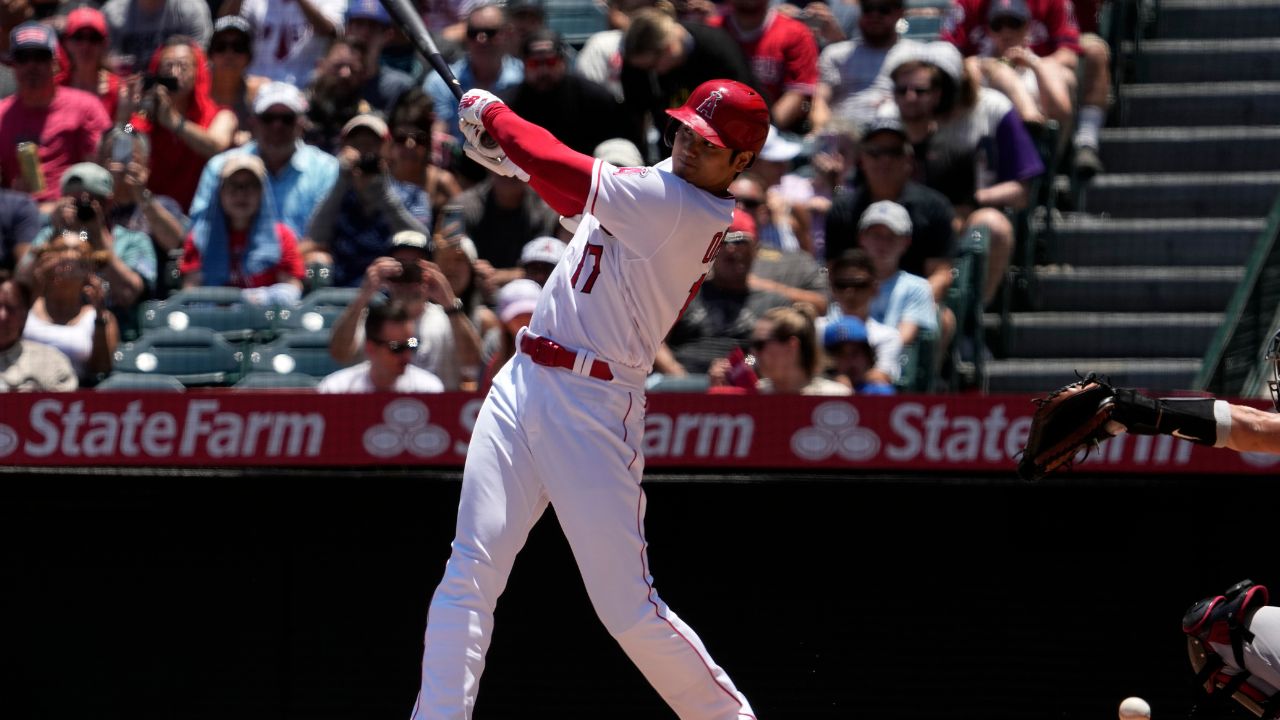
(905, 301)
(540, 256)
(354, 224)
(290, 35)
(299, 176)
(851, 82)
(516, 302)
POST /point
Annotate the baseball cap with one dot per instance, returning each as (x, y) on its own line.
(743, 227)
(1016, 9)
(887, 213)
(368, 10)
(233, 22)
(32, 36)
(411, 239)
(779, 148)
(517, 297)
(243, 161)
(279, 93)
(847, 329)
(85, 18)
(542, 249)
(543, 42)
(371, 122)
(884, 123)
(619, 152)
(947, 58)
(92, 177)
(519, 7)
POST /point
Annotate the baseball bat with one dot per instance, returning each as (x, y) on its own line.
(406, 16)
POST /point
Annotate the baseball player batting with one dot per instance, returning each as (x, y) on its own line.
(564, 418)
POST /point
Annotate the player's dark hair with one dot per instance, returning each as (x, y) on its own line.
(381, 314)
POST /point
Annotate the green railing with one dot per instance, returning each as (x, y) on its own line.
(1232, 365)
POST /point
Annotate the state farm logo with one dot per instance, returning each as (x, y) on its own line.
(835, 431)
(405, 428)
(9, 440)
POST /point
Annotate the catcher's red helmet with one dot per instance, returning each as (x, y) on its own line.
(727, 113)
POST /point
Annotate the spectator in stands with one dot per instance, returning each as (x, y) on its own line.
(410, 161)
(723, 314)
(240, 242)
(139, 27)
(527, 17)
(450, 346)
(834, 159)
(787, 357)
(69, 312)
(664, 60)
(904, 301)
(230, 84)
(580, 113)
(64, 123)
(447, 19)
(82, 58)
(1038, 88)
(782, 54)
(600, 59)
(368, 28)
(970, 145)
(829, 23)
(851, 83)
(1056, 38)
(516, 302)
(124, 259)
(335, 95)
(853, 360)
(299, 176)
(456, 256)
(501, 214)
(185, 124)
(793, 274)
(619, 152)
(19, 222)
(885, 162)
(290, 35)
(784, 224)
(27, 365)
(540, 256)
(487, 66)
(389, 345)
(853, 287)
(126, 155)
(354, 224)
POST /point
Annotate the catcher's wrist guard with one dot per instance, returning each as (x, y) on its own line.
(1202, 420)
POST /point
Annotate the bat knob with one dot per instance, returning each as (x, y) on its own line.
(487, 141)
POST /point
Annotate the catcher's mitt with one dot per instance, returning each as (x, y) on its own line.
(1067, 420)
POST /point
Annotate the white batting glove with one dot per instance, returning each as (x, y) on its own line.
(500, 164)
(471, 106)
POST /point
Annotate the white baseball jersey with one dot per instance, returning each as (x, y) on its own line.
(642, 250)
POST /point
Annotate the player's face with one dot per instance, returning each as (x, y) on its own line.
(704, 165)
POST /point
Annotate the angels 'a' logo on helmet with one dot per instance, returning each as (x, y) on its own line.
(708, 107)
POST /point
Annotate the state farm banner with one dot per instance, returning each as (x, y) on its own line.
(273, 429)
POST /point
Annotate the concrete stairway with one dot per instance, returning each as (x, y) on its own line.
(1137, 282)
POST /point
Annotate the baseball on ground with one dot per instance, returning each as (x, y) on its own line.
(1134, 708)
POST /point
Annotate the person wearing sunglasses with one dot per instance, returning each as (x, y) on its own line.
(299, 176)
(389, 347)
(82, 58)
(64, 123)
(851, 84)
(787, 356)
(290, 36)
(853, 287)
(415, 156)
(486, 64)
(581, 113)
(230, 51)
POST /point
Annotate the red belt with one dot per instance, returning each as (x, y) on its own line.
(545, 351)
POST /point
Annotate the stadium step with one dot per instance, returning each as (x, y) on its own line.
(1241, 194)
(1110, 334)
(1081, 239)
(1191, 149)
(1189, 104)
(1135, 288)
(1038, 376)
(1218, 18)
(1215, 60)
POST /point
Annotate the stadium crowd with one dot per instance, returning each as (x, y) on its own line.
(149, 148)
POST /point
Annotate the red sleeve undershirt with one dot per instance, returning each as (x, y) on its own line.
(561, 176)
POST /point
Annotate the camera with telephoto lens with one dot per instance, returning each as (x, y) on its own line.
(370, 163)
(168, 81)
(410, 273)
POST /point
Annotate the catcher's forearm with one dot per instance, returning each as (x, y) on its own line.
(1254, 430)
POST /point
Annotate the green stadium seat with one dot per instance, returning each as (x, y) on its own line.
(575, 20)
(319, 309)
(276, 381)
(295, 351)
(922, 27)
(222, 309)
(133, 382)
(196, 356)
(684, 384)
(964, 298)
(919, 363)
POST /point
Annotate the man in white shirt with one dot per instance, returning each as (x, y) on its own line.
(389, 345)
(289, 36)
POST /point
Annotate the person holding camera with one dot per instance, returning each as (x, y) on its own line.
(69, 312)
(124, 259)
(449, 343)
(126, 154)
(389, 344)
(354, 224)
(174, 105)
(240, 242)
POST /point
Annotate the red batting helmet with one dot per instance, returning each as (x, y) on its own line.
(727, 113)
